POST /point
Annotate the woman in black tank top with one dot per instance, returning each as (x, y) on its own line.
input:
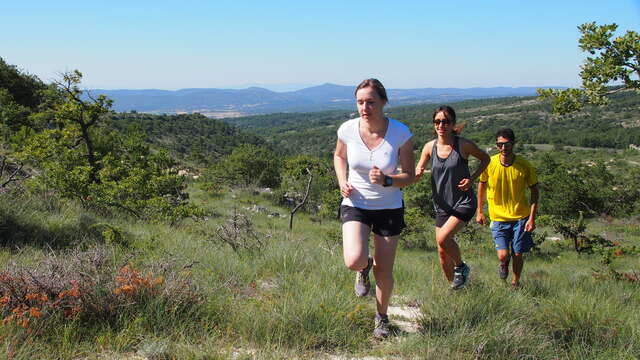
(451, 183)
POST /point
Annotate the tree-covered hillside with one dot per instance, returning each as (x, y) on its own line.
(192, 137)
(614, 126)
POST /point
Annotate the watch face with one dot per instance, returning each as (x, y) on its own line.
(388, 181)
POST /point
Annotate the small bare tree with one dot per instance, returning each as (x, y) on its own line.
(304, 199)
(10, 172)
(573, 230)
(238, 233)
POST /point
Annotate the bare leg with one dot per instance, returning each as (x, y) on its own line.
(355, 236)
(503, 267)
(503, 255)
(384, 257)
(518, 264)
(448, 249)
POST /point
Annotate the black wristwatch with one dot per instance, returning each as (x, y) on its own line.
(388, 181)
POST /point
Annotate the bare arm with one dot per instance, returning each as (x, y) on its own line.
(340, 166)
(535, 194)
(471, 148)
(480, 218)
(407, 160)
(424, 160)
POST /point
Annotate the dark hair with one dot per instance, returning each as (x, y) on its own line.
(450, 114)
(376, 85)
(506, 133)
(448, 111)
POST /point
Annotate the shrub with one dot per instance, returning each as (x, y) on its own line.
(238, 233)
(110, 234)
(418, 234)
(246, 165)
(84, 287)
(419, 196)
(568, 188)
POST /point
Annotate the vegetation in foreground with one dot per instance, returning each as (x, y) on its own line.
(111, 286)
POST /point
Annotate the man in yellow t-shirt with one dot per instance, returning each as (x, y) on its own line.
(512, 216)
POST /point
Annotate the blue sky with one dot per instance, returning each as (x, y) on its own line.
(406, 44)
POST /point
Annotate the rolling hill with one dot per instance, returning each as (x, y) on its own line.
(254, 100)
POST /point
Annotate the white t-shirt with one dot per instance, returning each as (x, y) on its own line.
(361, 160)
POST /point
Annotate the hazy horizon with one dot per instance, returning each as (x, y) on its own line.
(273, 87)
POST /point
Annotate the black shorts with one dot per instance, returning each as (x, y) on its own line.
(385, 222)
(463, 213)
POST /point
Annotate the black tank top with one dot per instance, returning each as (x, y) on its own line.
(445, 176)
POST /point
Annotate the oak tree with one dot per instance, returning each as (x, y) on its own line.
(612, 61)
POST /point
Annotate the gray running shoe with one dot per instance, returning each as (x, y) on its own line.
(460, 276)
(381, 329)
(503, 270)
(363, 285)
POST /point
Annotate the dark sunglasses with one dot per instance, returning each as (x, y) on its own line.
(444, 122)
(501, 144)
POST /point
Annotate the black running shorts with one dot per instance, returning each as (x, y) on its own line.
(463, 213)
(385, 222)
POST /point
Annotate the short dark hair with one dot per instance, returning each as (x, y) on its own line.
(506, 133)
(448, 111)
(376, 85)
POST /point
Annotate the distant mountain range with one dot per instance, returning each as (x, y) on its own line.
(255, 100)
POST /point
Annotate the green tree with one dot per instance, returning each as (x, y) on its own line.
(587, 187)
(613, 61)
(247, 165)
(24, 88)
(12, 115)
(419, 196)
(324, 196)
(20, 94)
(84, 160)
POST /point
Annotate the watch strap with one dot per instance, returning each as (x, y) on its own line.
(388, 181)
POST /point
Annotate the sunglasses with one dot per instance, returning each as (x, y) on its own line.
(501, 144)
(443, 122)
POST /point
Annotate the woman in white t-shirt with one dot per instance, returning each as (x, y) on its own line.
(368, 152)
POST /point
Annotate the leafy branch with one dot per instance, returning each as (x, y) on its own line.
(613, 61)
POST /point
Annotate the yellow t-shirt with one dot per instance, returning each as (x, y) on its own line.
(506, 188)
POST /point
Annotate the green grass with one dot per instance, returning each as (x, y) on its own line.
(294, 297)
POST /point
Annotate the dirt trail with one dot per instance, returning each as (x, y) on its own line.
(405, 317)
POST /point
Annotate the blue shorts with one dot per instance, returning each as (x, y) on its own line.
(510, 235)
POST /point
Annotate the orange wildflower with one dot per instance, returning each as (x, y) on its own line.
(35, 312)
(24, 323)
(8, 319)
(31, 296)
(126, 289)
